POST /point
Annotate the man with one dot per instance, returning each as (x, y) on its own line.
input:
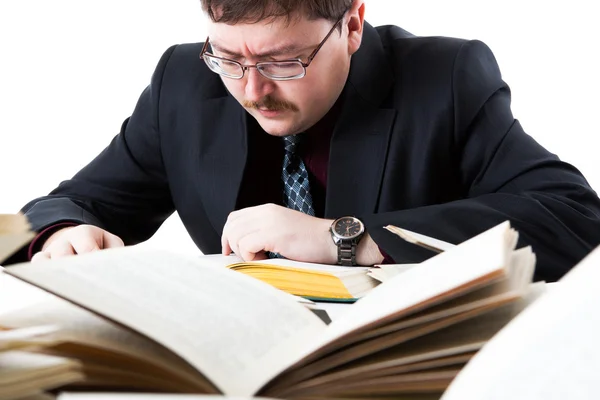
(299, 113)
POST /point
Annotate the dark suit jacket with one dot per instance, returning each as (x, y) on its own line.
(425, 141)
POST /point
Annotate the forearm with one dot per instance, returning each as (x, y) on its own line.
(559, 233)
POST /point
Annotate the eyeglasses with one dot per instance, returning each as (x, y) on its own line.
(284, 70)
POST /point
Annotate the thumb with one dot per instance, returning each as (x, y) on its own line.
(110, 241)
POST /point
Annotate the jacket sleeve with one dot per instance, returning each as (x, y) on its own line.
(124, 190)
(506, 175)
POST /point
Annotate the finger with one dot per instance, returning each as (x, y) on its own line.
(110, 241)
(234, 229)
(60, 249)
(237, 238)
(225, 248)
(84, 243)
(232, 246)
(40, 256)
(251, 246)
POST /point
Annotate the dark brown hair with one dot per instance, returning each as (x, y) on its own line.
(252, 11)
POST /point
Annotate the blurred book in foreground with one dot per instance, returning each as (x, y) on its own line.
(15, 233)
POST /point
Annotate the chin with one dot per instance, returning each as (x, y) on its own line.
(278, 128)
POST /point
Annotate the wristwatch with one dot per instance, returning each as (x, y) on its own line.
(346, 232)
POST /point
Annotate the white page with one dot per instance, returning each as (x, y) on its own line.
(14, 363)
(550, 351)
(77, 325)
(16, 337)
(15, 294)
(428, 240)
(218, 260)
(235, 329)
(385, 272)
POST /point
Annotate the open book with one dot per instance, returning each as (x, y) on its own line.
(15, 232)
(151, 320)
(318, 282)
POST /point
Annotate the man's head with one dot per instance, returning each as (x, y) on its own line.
(288, 97)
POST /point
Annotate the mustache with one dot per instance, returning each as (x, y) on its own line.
(271, 104)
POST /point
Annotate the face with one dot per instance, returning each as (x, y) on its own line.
(287, 107)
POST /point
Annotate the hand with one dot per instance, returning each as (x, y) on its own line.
(253, 231)
(76, 240)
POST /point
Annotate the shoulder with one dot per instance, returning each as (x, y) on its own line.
(407, 50)
(180, 69)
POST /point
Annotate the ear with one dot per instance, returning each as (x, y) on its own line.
(355, 22)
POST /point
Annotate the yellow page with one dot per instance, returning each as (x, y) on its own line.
(316, 268)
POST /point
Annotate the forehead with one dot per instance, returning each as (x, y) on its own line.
(262, 37)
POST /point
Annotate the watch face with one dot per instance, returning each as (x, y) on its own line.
(348, 227)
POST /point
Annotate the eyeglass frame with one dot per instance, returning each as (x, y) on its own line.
(247, 67)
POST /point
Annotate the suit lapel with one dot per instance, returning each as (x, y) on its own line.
(357, 157)
(361, 136)
(223, 151)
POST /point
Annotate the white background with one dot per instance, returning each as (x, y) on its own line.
(71, 72)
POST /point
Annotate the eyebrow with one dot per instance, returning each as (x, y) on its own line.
(278, 51)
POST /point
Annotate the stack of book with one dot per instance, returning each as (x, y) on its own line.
(134, 319)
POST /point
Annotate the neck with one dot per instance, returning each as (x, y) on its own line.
(328, 121)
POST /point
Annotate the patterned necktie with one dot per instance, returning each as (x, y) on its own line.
(296, 188)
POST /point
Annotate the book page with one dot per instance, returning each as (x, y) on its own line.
(73, 324)
(386, 272)
(15, 294)
(550, 351)
(23, 374)
(15, 338)
(465, 336)
(239, 332)
(414, 237)
(219, 260)
(480, 259)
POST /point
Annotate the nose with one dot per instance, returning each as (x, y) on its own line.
(257, 86)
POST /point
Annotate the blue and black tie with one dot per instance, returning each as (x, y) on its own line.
(296, 187)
